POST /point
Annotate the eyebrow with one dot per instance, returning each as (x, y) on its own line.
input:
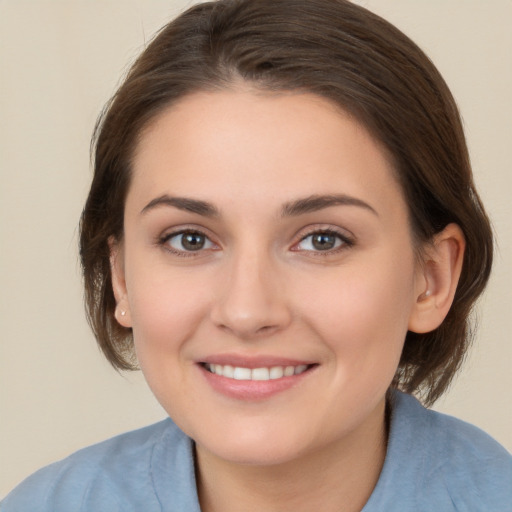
(183, 203)
(319, 202)
(298, 207)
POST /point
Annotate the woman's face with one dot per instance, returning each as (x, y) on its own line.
(266, 237)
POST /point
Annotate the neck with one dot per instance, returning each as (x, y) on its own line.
(338, 478)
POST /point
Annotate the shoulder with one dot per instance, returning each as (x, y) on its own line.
(115, 475)
(454, 462)
(450, 441)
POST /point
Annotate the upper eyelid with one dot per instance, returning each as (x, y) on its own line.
(345, 241)
(170, 232)
(163, 239)
(343, 233)
(347, 238)
(163, 242)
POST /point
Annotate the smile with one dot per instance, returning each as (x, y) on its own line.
(256, 374)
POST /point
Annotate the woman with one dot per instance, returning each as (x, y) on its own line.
(283, 231)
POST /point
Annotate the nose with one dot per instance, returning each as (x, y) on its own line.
(251, 300)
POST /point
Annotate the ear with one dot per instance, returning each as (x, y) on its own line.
(437, 280)
(122, 312)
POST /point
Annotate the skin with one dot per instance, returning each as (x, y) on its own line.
(260, 287)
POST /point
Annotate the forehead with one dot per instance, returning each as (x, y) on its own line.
(253, 146)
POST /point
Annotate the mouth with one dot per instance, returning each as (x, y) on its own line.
(255, 374)
(253, 380)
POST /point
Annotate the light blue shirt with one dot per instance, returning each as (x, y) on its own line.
(434, 463)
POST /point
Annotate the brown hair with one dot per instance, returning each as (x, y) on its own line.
(337, 50)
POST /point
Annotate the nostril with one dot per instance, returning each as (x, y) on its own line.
(266, 328)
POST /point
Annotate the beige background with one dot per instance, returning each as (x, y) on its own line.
(59, 63)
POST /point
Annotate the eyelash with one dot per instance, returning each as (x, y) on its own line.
(346, 242)
(163, 241)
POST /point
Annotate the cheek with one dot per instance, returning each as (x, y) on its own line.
(362, 311)
(166, 308)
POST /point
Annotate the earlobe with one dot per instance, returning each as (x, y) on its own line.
(122, 311)
(438, 279)
(122, 316)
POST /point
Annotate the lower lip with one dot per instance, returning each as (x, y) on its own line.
(252, 390)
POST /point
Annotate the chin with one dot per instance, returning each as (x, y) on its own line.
(259, 447)
(269, 455)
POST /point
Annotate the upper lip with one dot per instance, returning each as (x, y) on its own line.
(261, 361)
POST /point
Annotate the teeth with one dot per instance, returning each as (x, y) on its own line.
(260, 374)
(289, 371)
(276, 372)
(300, 369)
(227, 371)
(241, 373)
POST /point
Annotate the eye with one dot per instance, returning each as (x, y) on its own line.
(322, 241)
(188, 241)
